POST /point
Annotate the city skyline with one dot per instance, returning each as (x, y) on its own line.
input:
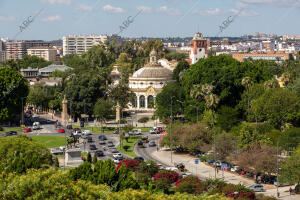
(53, 19)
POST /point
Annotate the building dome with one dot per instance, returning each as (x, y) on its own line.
(153, 72)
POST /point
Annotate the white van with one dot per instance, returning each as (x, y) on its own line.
(36, 125)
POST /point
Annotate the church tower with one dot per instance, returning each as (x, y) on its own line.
(198, 48)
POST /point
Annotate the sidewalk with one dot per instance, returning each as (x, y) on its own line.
(204, 171)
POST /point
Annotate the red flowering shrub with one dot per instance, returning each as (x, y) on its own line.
(130, 164)
(170, 176)
(238, 191)
(189, 184)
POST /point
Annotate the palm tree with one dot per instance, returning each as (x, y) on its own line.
(286, 78)
(273, 83)
(246, 82)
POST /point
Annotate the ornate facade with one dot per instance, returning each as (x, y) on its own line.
(147, 82)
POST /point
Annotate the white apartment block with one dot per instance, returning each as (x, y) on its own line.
(47, 53)
(78, 44)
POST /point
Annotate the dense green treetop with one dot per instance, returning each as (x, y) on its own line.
(17, 154)
(225, 74)
(13, 87)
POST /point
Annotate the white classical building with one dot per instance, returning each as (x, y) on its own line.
(147, 82)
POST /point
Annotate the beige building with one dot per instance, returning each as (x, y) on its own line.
(47, 53)
(147, 82)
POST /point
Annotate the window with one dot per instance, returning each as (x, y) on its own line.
(151, 83)
(200, 50)
(142, 101)
(153, 58)
(150, 101)
(134, 103)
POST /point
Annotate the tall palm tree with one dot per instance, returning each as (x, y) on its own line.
(246, 82)
(286, 78)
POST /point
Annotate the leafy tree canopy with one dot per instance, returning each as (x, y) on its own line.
(13, 87)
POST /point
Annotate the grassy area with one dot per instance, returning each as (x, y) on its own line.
(5, 129)
(130, 143)
(50, 141)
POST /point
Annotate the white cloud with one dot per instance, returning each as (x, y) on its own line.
(6, 18)
(168, 11)
(208, 12)
(111, 9)
(272, 2)
(244, 12)
(54, 18)
(144, 9)
(84, 8)
(66, 2)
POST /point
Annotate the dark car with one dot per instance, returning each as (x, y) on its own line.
(93, 147)
(152, 143)
(139, 158)
(102, 137)
(69, 127)
(140, 143)
(10, 133)
(110, 145)
(114, 151)
(211, 162)
(99, 153)
(89, 139)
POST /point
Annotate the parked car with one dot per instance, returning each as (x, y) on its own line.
(36, 125)
(115, 155)
(140, 144)
(61, 130)
(87, 132)
(69, 127)
(135, 132)
(114, 151)
(257, 188)
(102, 137)
(99, 153)
(77, 132)
(109, 142)
(102, 142)
(210, 162)
(234, 168)
(152, 143)
(139, 158)
(281, 184)
(10, 133)
(110, 145)
(117, 160)
(145, 139)
(89, 139)
(93, 147)
(27, 130)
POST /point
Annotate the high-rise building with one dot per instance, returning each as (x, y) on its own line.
(47, 53)
(78, 44)
(2, 51)
(18, 48)
(198, 48)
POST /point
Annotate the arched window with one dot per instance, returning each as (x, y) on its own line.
(142, 101)
(150, 101)
(134, 103)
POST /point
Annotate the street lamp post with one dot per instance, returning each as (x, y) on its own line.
(22, 113)
(171, 128)
(277, 170)
(214, 145)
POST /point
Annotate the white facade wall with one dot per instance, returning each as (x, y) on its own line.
(200, 54)
(81, 44)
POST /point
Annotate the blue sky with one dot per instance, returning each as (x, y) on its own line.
(158, 18)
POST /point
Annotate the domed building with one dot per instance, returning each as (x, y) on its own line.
(147, 82)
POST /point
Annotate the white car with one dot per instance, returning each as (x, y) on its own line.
(36, 125)
(87, 132)
(117, 155)
(116, 161)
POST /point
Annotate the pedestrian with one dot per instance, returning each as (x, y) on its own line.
(217, 170)
(291, 190)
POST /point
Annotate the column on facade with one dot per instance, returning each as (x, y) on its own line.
(146, 101)
(137, 101)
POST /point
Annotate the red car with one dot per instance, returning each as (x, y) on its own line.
(27, 130)
(61, 130)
